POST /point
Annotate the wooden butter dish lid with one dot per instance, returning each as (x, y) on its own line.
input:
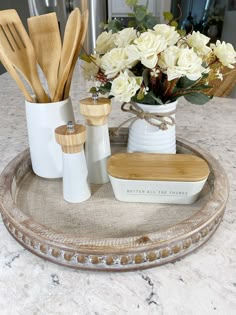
(161, 167)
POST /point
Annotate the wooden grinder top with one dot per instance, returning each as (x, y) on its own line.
(160, 167)
(71, 141)
(95, 110)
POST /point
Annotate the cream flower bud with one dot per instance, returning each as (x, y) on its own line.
(168, 32)
(125, 37)
(189, 64)
(199, 42)
(149, 46)
(177, 62)
(169, 57)
(104, 42)
(225, 53)
(124, 87)
(115, 61)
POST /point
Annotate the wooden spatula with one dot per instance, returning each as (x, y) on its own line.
(45, 36)
(69, 46)
(17, 46)
(83, 32)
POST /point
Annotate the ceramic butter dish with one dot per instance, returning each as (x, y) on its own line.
(160, 178)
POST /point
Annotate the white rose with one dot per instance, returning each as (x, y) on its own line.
(90, 69)
(115, 61)
(149, 46)
(168, 32)
(199, 42)
(124, 87)
(225, 53)
(125, 37)
(177, 62)
(189, 64)
(104, 42)
(169, 57)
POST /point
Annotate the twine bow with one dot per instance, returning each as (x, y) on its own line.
(155, 119)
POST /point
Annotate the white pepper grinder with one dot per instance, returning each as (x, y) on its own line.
(97, 147)
(75, 173)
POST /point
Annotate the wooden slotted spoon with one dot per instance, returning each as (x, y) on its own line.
(83, 32)
(12, 71)
(69, 46)
(45, 36)
(17, 46)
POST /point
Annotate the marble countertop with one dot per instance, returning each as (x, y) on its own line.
(203, 282)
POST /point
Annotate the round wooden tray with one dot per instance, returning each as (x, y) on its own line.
(103, 233)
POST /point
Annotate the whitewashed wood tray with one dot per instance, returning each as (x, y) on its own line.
(103, 233)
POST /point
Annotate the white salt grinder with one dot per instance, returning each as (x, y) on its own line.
(75, 173)
(97, 147)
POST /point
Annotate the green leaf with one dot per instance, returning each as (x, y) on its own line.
(132, 23)
(174, 23)
(197, 98)
(182, 33)
(145, 76)
(114, 26)
(157, 99)
(184, 83)
(105, 88)
(131, 3)
(140, 12)
(168, 16)
(87, 58)
(201, 87)
(151, 21)
(140, 95)
(146, 99)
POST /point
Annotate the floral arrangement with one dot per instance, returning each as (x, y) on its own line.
(156, 65)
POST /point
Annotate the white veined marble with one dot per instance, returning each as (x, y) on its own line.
(203, 282)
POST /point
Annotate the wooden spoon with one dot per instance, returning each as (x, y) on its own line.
(80, 43)
(12, 71)
(17, 46)
(69, 46)
(45, 36)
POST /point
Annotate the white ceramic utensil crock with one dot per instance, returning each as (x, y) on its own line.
(42, 119)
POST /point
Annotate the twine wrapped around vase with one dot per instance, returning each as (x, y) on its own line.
(154, 119)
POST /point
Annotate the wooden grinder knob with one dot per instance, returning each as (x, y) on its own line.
(95, 110)
(71, 137)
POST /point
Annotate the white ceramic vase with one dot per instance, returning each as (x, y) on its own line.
(144, 137)
(45, 152)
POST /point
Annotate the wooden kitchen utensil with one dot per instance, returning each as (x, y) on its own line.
(45, 35)
(83, 32)
(69, 46)
(12, 71)
(19, 49)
